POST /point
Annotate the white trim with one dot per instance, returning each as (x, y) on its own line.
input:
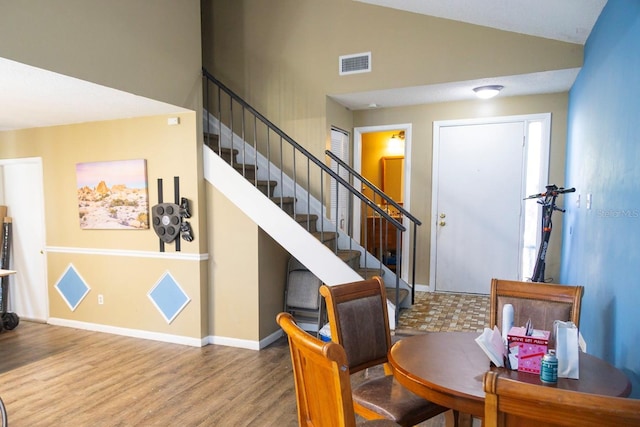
(135, 333)
(248, 344)
(136, 254)
(423, 288)
(545, 118)
(21, 160)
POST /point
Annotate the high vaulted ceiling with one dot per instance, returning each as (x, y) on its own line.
(565, 20)
(32, 97)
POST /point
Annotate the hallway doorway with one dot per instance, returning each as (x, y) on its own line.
(405, 153)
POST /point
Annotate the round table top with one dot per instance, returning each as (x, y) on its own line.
(448, 367)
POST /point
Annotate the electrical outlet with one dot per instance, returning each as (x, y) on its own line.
(100, 299)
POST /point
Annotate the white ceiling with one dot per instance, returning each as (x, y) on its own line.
(32, 97)
(565, 20)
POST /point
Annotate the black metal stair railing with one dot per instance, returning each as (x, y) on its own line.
(257, 141)
(388, 204)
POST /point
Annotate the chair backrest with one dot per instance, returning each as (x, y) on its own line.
(359, 321)
(302, 287)
(321, 375)
(513, 403)
(541, 302)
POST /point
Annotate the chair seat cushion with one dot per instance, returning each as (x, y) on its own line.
(378, 423)
(385, 396)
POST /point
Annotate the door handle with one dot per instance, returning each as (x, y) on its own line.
(442, 223)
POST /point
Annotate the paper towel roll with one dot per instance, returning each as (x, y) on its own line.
(507, 320)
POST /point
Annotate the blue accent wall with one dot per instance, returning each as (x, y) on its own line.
(601, 245)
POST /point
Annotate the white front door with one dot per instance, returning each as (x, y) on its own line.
(478, 192)
(22, 193)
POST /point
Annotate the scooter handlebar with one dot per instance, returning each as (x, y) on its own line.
(552, 190)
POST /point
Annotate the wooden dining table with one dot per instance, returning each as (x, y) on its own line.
(447, 368)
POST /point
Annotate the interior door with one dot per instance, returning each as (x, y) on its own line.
(477, 208)
(339, 209)
(28, 287)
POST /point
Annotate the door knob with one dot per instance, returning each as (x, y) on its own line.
(442, 223)
(443, 215)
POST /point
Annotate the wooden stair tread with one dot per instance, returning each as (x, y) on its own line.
(391, 295)
(325, 236)
(347, 256)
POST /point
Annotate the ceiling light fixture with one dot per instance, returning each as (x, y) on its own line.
(486, 92)
(399, 135)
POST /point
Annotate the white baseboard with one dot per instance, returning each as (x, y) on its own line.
(168, 338)
(424, 288)
(248, 344)
(135, 333)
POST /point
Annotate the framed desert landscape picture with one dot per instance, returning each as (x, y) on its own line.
(113, 195)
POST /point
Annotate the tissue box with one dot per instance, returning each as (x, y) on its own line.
(530, 348)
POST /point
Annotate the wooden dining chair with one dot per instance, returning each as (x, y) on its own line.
(358, 319)
(321, 376)
(541, 302)
(514, 403)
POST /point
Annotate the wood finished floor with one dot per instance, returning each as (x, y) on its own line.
(51, 375)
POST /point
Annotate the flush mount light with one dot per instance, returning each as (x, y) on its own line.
(486, 92)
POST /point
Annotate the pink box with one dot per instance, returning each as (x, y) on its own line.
(530, 348)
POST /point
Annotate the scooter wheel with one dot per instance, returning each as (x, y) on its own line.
(10, 321)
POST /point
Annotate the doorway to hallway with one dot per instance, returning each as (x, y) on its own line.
(405, 192)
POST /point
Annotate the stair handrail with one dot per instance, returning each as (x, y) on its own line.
(400, 228)
(306, 153)
(375, 189)
(388, 200)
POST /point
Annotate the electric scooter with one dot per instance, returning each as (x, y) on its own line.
(548, 202)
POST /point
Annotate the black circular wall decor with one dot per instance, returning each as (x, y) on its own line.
(166, 221)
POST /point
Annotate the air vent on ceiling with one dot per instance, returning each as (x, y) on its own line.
(356, 63)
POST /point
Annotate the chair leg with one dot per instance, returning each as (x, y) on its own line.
(454, 418)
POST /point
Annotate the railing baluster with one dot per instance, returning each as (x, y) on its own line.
(380, 216)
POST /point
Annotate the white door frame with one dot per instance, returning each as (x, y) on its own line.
(545, 118)
(406, 197)
(41, 292)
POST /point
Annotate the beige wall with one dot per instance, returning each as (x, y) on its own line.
(146, 47)
(151, 48)
(247, 274)
(273, 262)
(234, 271)
(122, 265)
(282, 55)
(422, 117)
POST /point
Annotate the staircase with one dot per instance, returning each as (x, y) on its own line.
(282, 203)
(306, 220)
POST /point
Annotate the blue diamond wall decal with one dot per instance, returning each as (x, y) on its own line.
(72, 287)
(168, 297)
